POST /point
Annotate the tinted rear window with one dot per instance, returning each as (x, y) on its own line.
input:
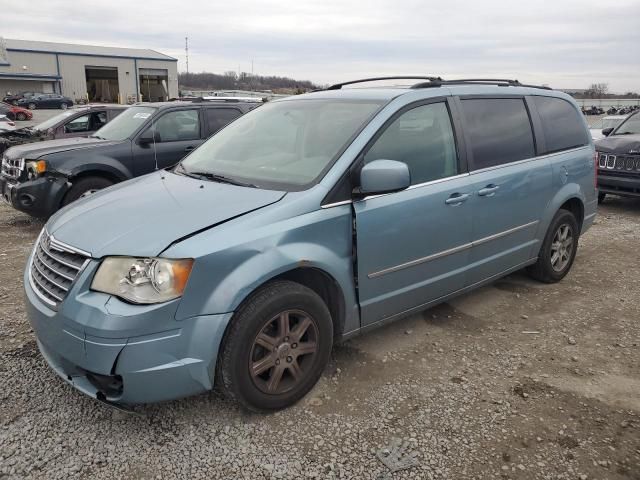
(219, 117)
(561, 124)
(499, 131)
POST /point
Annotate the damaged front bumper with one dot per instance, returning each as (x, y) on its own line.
(123, 353)
(41, 197)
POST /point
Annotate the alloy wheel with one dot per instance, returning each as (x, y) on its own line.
(562, 247)
(283, 352)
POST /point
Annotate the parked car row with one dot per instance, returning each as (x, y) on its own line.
(39, 178)
(623, 110)
(34, 100)
(303, 222)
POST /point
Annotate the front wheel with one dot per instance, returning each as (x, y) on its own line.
(558, 250)
(85, 187)
(32, 106)
(276, 347)
(21, 117)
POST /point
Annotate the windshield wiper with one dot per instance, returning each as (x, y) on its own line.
(217, 178)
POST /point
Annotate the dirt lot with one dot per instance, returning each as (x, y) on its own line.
(517, 380)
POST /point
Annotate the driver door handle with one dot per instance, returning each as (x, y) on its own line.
(189, 148)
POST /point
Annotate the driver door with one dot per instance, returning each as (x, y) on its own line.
(413, 246)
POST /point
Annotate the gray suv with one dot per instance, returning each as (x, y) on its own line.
(307, 221)
(39, 178)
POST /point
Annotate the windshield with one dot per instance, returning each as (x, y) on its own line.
(282, 145)
(630, 126)
(54, 120)
(125, 124)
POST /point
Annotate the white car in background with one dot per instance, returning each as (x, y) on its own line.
(6, 125)
(610, 121)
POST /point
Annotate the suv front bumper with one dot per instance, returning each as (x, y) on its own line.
(40, 198)
(619, 185)
(134, 366)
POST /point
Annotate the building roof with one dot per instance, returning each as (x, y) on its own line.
(90, 50)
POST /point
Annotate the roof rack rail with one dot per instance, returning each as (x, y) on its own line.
(338, 86)
(226, 99)
(501, 82)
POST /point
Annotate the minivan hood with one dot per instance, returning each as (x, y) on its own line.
(35, 150)
(622, 144)
(143, 216)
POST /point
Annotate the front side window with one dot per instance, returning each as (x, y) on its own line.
(126, 124)
(282, 145)
(631, 126)
(177, 126)
(53, 121)
(562, 125)
(423, 139)
(499, 131)
(80, 124)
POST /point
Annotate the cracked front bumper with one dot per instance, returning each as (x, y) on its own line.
(82, 343)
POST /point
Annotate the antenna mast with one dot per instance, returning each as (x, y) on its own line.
(186, 51)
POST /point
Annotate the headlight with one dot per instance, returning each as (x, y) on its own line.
(143, 280)
(36, 168)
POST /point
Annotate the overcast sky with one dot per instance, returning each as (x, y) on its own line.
(564, 43)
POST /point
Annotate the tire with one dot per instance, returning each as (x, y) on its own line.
(85, 186)
(243, 346)
(14, 102)
(546, 269)
(601, 197)
(21, 117)
(63, 106)
(32, 106)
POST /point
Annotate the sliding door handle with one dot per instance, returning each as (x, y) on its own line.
(457, 198)
(488, 191)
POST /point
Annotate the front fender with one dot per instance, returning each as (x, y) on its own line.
(222, 280)
(103, 164)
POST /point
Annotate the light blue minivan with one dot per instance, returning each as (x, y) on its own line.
(302, 223)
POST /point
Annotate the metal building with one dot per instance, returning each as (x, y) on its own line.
(97, 74)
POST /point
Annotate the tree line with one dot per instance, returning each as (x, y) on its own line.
(244, 81)
(601, 90)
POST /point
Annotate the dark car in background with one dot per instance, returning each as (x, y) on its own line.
(14, 98)
(40, 178)
(46, 100)
(14, 112)
(619, 159)
(75, 122)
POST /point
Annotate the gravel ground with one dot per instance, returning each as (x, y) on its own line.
(517, 380)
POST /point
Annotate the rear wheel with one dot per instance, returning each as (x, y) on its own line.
(558, 250)
(21, 116)
(85, 187)
(276, 347)
(64, 106)
(32, 106)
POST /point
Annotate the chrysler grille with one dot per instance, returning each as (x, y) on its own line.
(54, 267)
(629, 163)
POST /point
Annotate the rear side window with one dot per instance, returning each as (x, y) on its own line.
(219, 117)
(499, 131)
(561, 124)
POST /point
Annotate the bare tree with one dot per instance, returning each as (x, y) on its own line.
(598, 90)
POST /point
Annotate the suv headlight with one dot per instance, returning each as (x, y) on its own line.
(143, 280)
(36, 168)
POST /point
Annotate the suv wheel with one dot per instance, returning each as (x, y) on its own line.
(558, 249)
(31, 106)
(85, 187)
(276, 347)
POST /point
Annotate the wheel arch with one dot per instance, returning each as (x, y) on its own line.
(571, 198)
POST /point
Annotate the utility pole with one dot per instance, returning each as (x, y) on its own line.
(186, 52)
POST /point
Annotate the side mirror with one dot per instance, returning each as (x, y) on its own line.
(607, 131)
(384, 176)
(148, 137)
